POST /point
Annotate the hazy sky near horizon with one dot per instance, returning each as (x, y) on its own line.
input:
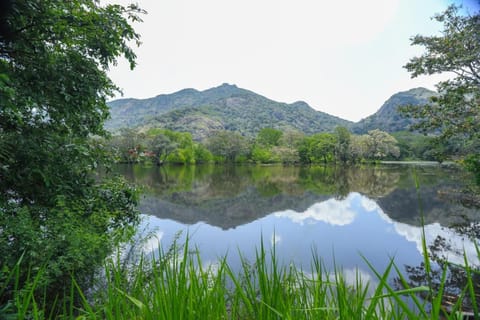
(341, 57)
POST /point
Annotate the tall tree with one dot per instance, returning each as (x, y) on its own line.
(269, 137)
(342, 148)
(53, 88)
(323, 146)
(381, 145)
(227, 144)
(359, 146)
(455, 112)
(162, 146)
(456, 109)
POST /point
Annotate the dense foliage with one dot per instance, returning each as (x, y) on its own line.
(160, 146)
(54, 215)
(455, 112)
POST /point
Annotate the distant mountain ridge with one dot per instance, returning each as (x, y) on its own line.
(228, 107)
(387, 118)
(225, 107)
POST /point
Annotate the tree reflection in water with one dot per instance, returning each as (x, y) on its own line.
(458, 275)
(230, 196)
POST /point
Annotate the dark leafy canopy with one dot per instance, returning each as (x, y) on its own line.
(53, 58)
(54, 55)
(456, 110)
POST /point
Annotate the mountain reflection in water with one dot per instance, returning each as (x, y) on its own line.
(340, 212)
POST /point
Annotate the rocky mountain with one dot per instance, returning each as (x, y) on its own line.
(387, 118)
(226, 107)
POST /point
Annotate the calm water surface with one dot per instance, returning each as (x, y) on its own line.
(343, 213)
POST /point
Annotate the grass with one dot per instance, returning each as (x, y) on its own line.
(176, 284)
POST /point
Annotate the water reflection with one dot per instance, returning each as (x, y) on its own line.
(374, 210)
(341, 212)
(230, 196)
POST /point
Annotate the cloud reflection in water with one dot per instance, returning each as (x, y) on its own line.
(345, 212)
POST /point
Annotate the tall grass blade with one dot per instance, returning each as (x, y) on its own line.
(272, 309)
(409, 291)
(384, 283)
(135, 301)
(470, 285)
(85, 303)
(438, 299)
(420, 306)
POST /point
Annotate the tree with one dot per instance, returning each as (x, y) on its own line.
(227, 144)
(285, 154)
(414, 145)
(162, 146)
(184, 153)
(318, 147)
(381, 145)
(269, 137)
(359, 145)
(323, 147)
(456, 109)
(53, 89)
(202, 154)
(127, 145)
(342, 149)
(266, 140)
(292, 139)
(260, 154)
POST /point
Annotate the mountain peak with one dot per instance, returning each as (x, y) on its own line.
(228, 107)
(187, 91)
(421, 92)
(222, 91)
(387, 118)
(225, 107)
(418, 90)
(227, 85)
(300, 104)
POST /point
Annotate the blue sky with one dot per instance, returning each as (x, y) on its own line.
(341, 57)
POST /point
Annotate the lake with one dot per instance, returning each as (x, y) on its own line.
(341, 213)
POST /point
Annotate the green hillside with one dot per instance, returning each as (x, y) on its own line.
(387, 118)
(226, 107)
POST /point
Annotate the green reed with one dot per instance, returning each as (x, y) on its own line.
(176, 284)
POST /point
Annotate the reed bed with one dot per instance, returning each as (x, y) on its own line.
(176, 284)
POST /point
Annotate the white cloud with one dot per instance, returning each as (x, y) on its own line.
(332, 211)
(275, 239)
(368, 204)
(341, 213)
(459, 244)
(352, 276)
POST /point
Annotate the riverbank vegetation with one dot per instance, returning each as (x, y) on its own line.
(177, 284)
(59, 224)
(56, 219)
(445, 126)
(161, 146)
